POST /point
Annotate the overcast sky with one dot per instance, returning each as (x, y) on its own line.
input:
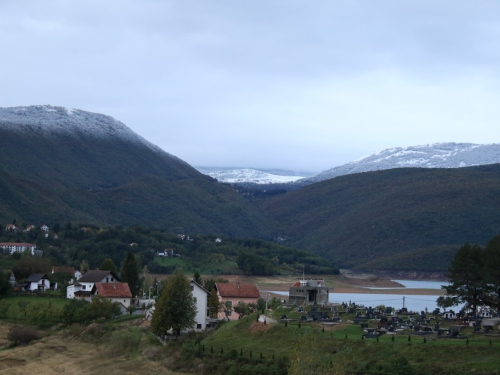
(302, 85)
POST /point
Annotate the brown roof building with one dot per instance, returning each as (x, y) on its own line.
(113, 290)
(230, 294)
(238, 290)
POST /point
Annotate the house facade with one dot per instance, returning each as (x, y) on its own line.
(308, 292)
(83, 287)
(201, 296)
(230, 294)
(39, 282)
(18, 247)
(116, 292)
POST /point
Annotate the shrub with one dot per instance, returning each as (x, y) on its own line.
(126, 342)
(22, 335)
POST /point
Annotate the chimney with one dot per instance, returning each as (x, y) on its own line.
(114, 286)
(238, 283)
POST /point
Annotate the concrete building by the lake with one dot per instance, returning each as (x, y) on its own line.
(308, 292)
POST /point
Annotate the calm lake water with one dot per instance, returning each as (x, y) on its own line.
(411, 302)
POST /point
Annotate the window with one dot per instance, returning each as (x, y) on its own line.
(198, 326)
(192, 288)
(83, 287)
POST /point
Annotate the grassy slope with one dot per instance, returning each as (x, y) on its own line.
(358, 218)
(127, 346)
(312, 351)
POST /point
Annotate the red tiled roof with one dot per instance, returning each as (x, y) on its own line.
(238, 290)
(113, 290)
(16, 244)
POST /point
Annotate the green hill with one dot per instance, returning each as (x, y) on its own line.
(391, 219)
(62, 165)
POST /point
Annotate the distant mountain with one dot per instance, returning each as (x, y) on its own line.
(398, 219)
(439, 155)
(251, 176)
(62, 164)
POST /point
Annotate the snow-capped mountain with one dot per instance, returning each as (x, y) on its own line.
(74, 147)
(52, 120)
(252, 176)
(439, 155)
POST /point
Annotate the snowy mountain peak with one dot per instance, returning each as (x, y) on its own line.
(439, 155)
(51, 120)
(246, 175)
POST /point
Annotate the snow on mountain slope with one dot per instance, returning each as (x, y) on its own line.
(234, 176)
(439, 155)
(51, 120)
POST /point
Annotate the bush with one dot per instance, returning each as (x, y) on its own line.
(126, 342)
(22, 335)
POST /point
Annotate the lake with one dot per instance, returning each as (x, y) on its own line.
(413, 302)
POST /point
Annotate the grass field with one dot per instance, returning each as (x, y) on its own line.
(15, 311)
(340, 349)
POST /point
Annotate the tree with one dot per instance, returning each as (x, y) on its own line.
(108, 265)
(466, 276)
(130, 273)
(102, 307)
(492, 273)
(84, 266)
(243, 308)
(5, 286)
(176, 307)
(445, 302)
(197, 278)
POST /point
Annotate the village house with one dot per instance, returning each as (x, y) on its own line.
(308, 292)
(19, 247)
(83, 287)
(201, 296)
(116, 292)
(29, 228)
(230, 294)
(10, 228)
(44, 228)
(39, 282)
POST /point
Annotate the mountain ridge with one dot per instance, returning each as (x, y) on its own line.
(438, 155)
(69, 165)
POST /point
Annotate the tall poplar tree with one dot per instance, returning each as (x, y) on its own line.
(130, 273)
(176, 307)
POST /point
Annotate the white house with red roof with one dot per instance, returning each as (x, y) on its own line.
(116, 292)
(230, 294)
(83, 287)
(18, 247)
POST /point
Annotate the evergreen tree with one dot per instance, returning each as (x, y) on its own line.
(466, 276)
(197, 278)
(176, 307)
(492, 273)
(130, 273)
(108, 265)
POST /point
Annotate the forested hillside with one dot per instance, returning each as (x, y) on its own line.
(62, 165)
(411, 219)
(72, 244)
